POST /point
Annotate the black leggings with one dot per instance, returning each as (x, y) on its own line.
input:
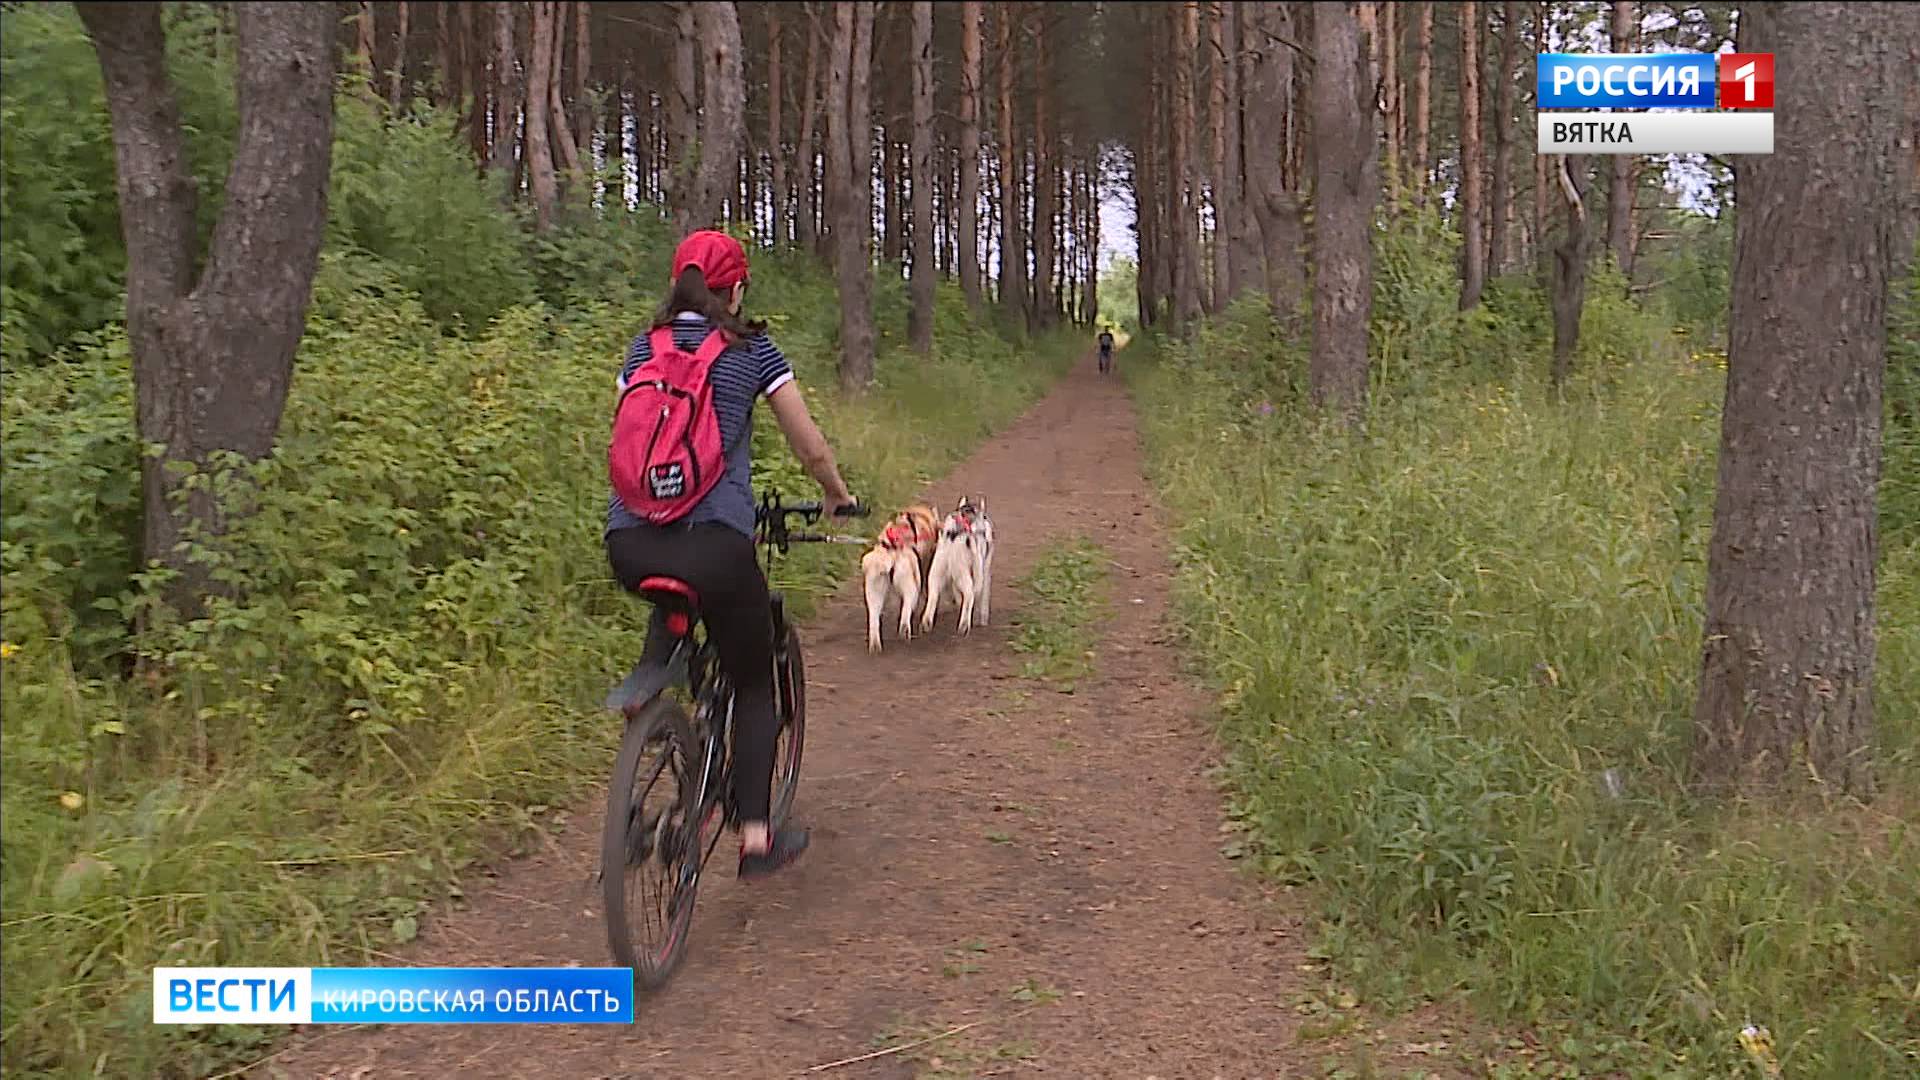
(719, 563)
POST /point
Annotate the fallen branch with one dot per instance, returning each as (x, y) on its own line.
(891, 1050)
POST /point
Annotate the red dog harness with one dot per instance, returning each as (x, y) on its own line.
(899, 536)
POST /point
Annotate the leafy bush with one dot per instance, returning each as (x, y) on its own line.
(1456, 660)
(405, 191)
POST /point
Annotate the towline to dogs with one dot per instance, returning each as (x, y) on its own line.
(1004, 877)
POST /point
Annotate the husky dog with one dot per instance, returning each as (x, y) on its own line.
(963, 565)
(895, 566)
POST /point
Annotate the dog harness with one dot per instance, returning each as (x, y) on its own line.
(897, 536)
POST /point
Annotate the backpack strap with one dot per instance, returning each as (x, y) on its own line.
(710, 349)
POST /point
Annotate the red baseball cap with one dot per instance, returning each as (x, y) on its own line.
(719, 256)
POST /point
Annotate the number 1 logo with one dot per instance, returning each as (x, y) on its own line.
(1746, 80)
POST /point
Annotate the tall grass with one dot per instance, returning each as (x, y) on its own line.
(1456, 662)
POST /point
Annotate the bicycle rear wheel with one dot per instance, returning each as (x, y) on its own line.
(790, 686)
(647, 842)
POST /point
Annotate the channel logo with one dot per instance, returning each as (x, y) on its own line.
(1654, 81)
(1707, 103)
(392, 995)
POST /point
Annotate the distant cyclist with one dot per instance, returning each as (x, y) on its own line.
(1106, 351)
(711, 549)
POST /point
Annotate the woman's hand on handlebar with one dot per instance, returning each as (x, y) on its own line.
(843, 505)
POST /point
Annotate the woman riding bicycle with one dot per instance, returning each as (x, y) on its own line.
(711, 548)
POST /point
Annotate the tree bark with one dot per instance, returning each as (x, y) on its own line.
(1013, 243)
(1186, 245)
(776, 135)
(1270, 98)
(850, 187)
(582, 119)
(920, 318)
(1391, 97)
(1346, 189)
(805, 222)
(443, 57)
(1498, 254)
(1243, 251)
(476, 88)
(1423, 106)
(716, 155)
(683, 120)
(1620, 191)
(567, 155)
(1786, 684)
(1543, 185)
(397, 78)
(363, 44)
(1046, 194)
(1225, 212)
(969, 208)
(1147, 204)
(1473, 267)
(506, 101)
(1569, 295)
(213, 348)
(541, 181)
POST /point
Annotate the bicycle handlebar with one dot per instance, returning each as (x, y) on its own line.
(772, 514)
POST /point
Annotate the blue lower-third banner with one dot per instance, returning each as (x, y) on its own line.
(392, 995)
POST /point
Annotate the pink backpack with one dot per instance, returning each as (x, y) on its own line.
(666, 452)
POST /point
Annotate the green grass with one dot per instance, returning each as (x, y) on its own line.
(411, 682)
(1456, 659)
(1055, 630)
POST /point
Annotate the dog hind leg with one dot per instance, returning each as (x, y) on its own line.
(906, 581)
(876, 600)
(936, 586)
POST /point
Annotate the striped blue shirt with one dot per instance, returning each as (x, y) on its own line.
(746, 371)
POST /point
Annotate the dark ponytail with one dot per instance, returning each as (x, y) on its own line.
(690, 293)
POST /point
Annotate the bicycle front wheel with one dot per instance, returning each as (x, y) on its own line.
(790, 684)
(648, 843)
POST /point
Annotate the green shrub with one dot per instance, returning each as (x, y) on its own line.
(1456, 660)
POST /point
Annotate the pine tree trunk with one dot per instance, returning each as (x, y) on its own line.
(1243, 250)
(776, 136)
(1498, 253)
(920, 318)
(1396, 169)
(1346, 190)
(683, 118)
(1786, 684)
(1423, 106)
(1620, 191)
(1186, 249)
(1146, 200)
(1045, 173)
(1542, 181)
(1472, 169)
(363, 44)
(969, 208)
(1270, 114)
(506, 102)
(543, 184)
(722, 117)
(477, 87)
(213, 346)
(566, 149)
(806, 221)
(850, 187)
(583, 122)
(1225, 213)
(447, 88)
(1569, 295)
(397, 77)
(1013, 245)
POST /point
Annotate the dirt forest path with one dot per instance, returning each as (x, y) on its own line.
(987, 851)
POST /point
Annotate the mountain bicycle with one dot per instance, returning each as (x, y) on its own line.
(692, 754)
